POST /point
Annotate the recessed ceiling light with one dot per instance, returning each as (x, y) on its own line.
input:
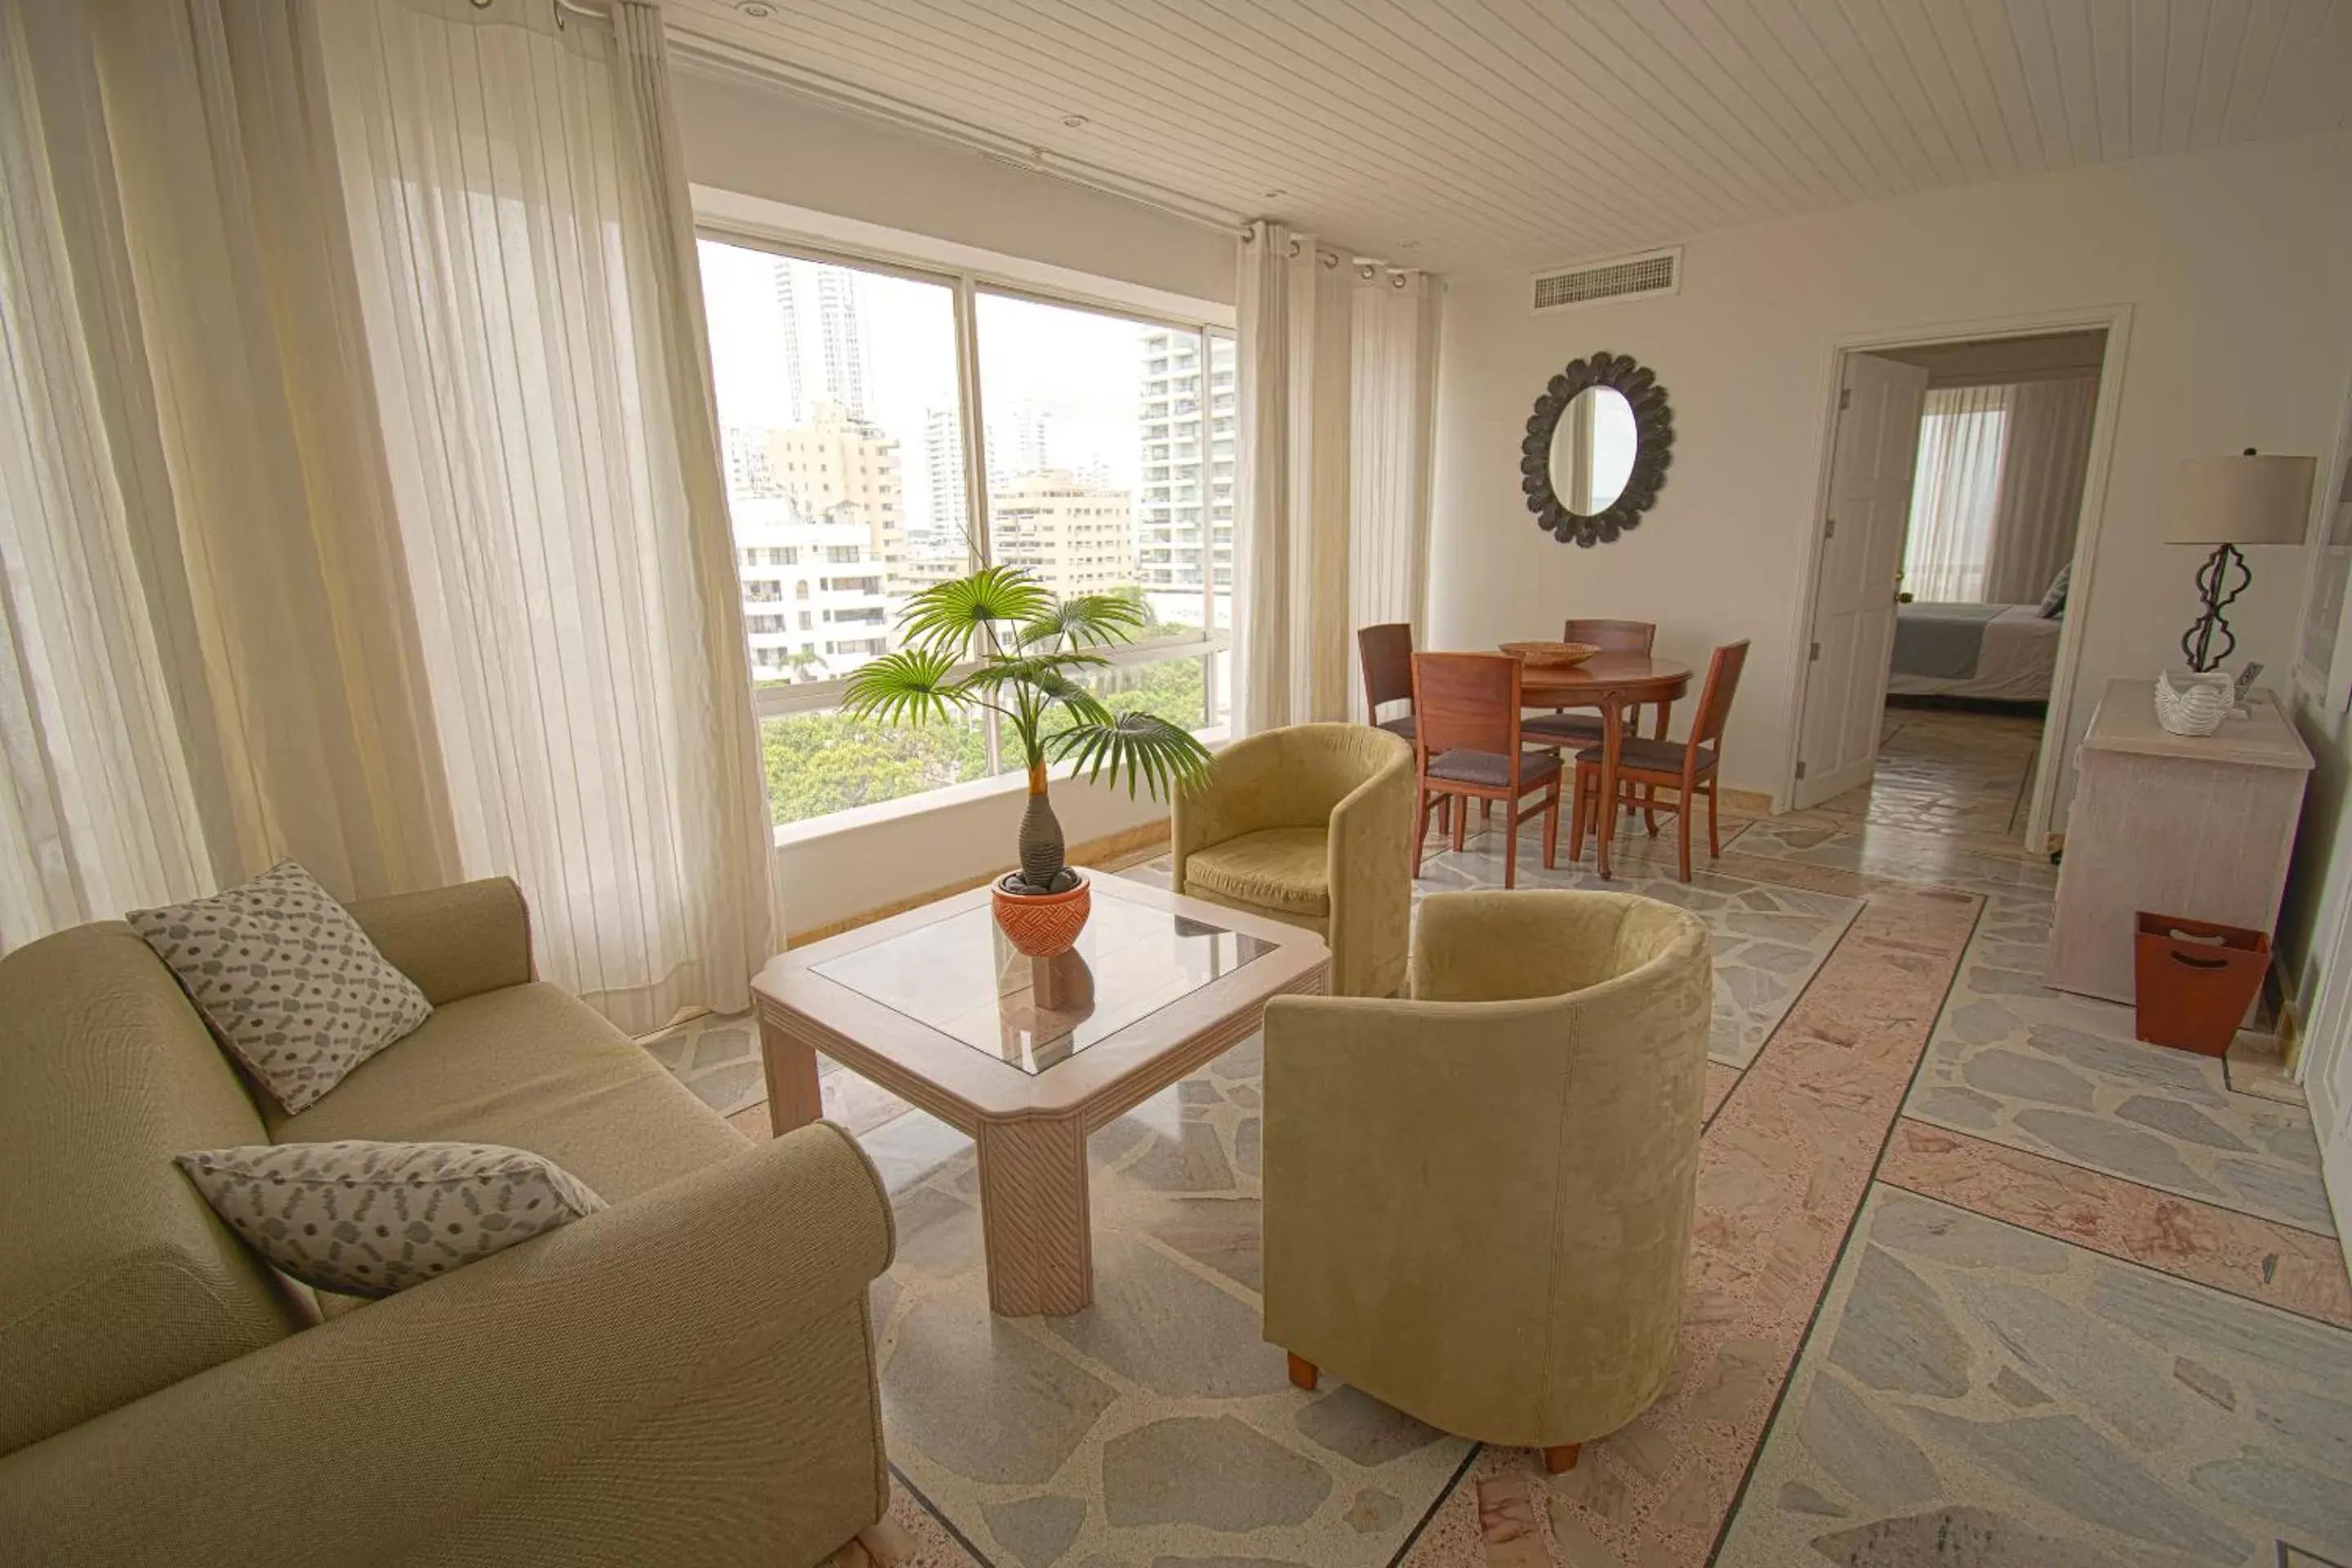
(759, 10)
(1275, 196)
(1074, 121)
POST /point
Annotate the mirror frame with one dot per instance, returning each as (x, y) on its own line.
(1653, 442)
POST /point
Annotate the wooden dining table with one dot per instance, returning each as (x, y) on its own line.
(1614, 683)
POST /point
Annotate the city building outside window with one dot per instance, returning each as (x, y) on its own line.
(847, 444)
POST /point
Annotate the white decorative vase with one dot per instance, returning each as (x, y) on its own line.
(2188, 704)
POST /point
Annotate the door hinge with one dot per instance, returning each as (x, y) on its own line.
(1829, 529)
(1815, 655)
(1801, 770)
(1845, 398)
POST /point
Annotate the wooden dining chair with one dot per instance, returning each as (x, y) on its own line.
(1567, 729)
(1614, 636)
(1467, 744)
(1386, 653)
(1686, 766)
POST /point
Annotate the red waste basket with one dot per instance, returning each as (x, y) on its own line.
(2193, 981)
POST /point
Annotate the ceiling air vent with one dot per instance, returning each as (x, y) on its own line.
(1625, 278)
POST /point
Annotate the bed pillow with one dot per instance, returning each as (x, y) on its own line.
(286, 979)
(2053, 603)
(368, 1219)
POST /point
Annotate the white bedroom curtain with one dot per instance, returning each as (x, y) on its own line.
(1954, 492)
(524, 246)
(1394, 382)
(211, 662)
(2047, 457)
(1335, 412)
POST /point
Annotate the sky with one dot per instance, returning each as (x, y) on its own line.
(1082, 370)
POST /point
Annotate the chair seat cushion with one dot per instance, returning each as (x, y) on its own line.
(1286, 868)
(1492, 769)
(1584, 727)
(1661, 756)
(1402, 726)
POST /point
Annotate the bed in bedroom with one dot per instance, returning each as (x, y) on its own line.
(1991, 653)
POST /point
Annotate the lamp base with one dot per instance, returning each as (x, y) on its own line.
(2209, 639)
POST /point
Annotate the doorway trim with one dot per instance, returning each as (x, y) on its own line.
(2115, 321)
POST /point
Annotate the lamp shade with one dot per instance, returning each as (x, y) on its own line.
(2247, 499)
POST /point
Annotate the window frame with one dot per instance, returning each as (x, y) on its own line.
(771, 700)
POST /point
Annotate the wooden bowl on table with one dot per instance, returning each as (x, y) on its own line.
(1551, 655)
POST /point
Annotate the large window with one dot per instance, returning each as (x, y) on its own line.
(1103, 463)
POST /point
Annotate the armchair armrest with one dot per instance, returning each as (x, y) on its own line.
(1370, 879)
(377, 1434)
(454, 943)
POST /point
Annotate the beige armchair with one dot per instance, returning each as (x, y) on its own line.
(1478, 1202)
(1311, 825)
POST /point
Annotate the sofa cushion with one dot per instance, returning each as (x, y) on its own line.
(117, 1280)
(286, 979)
(369, 1218)
(1284, 868)
(529, 1068)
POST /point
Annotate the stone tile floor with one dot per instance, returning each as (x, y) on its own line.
(1978, 1394)
(2038, 1346)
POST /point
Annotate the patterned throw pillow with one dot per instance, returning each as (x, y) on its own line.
(2053, 603)
(368, 1219)
(286, 979)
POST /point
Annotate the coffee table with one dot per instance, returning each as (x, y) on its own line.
(1028, 1056)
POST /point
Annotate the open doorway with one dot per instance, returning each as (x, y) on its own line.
(1953, 512)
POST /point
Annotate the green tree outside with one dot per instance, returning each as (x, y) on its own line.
(817, 763)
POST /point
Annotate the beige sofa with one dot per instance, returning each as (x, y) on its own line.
(1478, 1202)
(685, 1377)
(1312, 826)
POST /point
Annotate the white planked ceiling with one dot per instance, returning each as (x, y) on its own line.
(1479, 135)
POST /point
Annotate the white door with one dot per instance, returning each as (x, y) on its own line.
(1876, 444)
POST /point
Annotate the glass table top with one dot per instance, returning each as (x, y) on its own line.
(960, 976)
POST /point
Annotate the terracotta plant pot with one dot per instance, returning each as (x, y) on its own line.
(1044, 925)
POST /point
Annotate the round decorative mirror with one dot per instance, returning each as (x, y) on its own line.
(1596, 448)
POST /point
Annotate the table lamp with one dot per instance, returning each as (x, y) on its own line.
(2226, 502)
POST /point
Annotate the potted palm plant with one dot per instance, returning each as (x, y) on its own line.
(998, 641)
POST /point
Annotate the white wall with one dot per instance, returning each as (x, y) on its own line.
(2232, 263)
(785, 149)
(793, 150)
(846, 871)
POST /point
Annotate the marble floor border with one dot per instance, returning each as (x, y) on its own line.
(2240, 1254)
(1820, 1295)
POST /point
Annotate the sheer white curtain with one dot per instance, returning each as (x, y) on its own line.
(1394, 382)
(1335, 414)
(98, 814)
(2047, 455)
(1290, 598)
(1954, 493)
(209, 657)
(524, 248)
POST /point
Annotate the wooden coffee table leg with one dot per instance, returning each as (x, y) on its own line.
(1034, 1215)
(794, 1099)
